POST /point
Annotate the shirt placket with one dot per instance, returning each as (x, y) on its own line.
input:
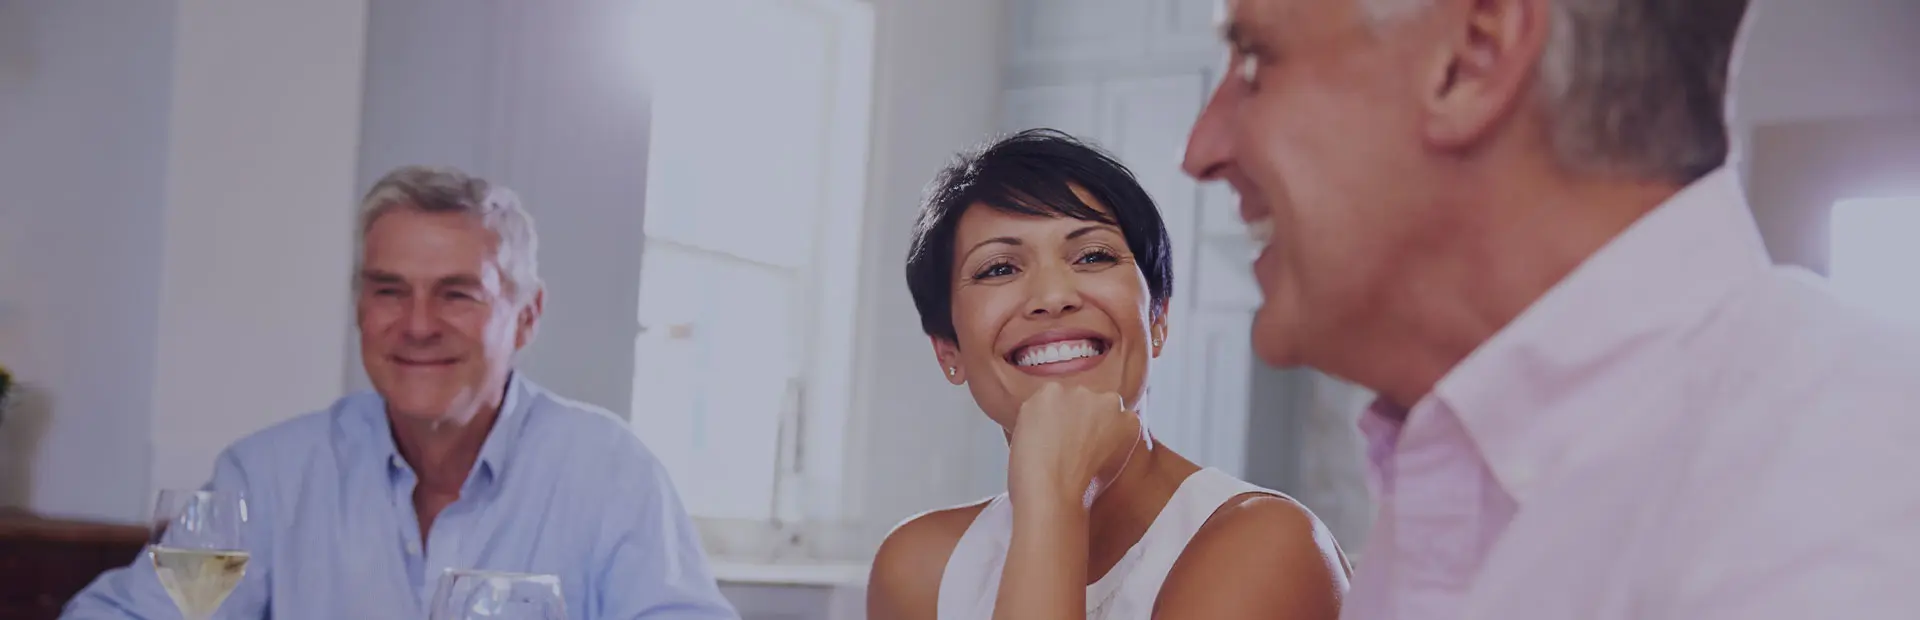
(1436, 513)
(408, 522)
(444, 549)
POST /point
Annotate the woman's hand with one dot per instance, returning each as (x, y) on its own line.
(1065, 441)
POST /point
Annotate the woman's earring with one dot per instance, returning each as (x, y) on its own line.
(952, 371)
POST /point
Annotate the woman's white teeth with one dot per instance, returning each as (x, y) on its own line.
(1054, 352)
(1261, 231)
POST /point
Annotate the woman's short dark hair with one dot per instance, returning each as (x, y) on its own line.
(1032, 172)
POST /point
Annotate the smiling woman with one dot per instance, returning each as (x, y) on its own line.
(1042, 274)
(1065, 229)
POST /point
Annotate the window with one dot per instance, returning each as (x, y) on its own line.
(755, 187)
(1875, 254)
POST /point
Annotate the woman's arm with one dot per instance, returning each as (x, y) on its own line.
(1260, 557)
(1066, 442)
(1046, 571)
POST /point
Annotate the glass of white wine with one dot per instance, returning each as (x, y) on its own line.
(492, 595)
(197, 548)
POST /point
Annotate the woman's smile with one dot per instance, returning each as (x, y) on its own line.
(1059, 352)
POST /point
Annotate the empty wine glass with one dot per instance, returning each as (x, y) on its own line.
(492, 595)
(197, 548)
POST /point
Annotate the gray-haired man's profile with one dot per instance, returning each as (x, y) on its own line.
(1515, 220)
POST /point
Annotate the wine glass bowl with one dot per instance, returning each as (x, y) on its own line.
(494, 595)
(198, 549)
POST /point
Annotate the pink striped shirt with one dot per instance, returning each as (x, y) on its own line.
(1676, 430)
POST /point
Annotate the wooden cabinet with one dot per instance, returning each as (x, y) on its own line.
(45, 562)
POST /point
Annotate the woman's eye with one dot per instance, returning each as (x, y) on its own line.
(994, 271)
(1097, 256)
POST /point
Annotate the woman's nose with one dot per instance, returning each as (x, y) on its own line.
(1054, 293)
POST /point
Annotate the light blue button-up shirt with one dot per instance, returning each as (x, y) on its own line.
(560, 488)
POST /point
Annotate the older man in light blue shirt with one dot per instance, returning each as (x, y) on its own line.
(454, 461)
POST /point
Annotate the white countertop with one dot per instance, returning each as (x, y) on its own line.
(821, 574)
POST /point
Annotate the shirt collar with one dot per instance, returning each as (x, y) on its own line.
(1525, 396)
(1380, 428)
(495, 453)
(498, 449)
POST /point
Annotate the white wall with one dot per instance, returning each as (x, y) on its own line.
(170, 248)
(916, 438)
(263, 131)
(83, 151)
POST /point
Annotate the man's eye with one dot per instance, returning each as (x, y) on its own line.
(1249, 67)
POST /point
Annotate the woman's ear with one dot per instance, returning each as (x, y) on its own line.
(1159, 328)
(948, 353)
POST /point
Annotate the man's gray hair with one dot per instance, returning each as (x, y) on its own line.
(1633, 87)
(431, 189)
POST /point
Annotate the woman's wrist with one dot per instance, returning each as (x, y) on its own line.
(1060, 525)
(1049, 497)
(1048, 484)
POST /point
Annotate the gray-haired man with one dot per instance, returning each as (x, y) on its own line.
(1515, 222)
(453, 460)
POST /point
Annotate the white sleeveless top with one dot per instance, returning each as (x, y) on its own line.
(971, 582)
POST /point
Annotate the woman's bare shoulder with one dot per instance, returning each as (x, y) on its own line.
(905, 579)
(1259, 556)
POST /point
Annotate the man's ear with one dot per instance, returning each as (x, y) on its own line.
(527, 324)
(1484, 68)
(948, 354)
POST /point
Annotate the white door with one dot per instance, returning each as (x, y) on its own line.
(745, 261)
